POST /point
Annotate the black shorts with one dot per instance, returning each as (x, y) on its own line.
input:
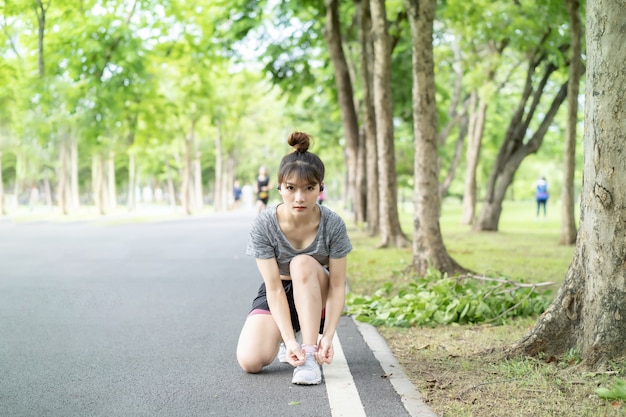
(260, 303)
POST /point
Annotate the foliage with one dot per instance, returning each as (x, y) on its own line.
(439, 299)
(616, 392)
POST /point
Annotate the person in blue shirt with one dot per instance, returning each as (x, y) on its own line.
(541, 195)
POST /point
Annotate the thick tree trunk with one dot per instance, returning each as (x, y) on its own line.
(428, 248)
(588, 312)
(372, 216)
(345, 94)
(568, 223)
(390, 231)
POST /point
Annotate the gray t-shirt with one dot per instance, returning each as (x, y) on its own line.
(268, 241)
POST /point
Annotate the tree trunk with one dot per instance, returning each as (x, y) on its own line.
(64, 194)
(131, 203)
(456, 158)
(218, 194)
(372, 216)
(197, 181)
(390, 231)
(478, 112)
(110, 181)
(345, 94)
(588, 311)
(428, 248)
(187, 194)
(516, 145)
(568, 224)
(96, 183)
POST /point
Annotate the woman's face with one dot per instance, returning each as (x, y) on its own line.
(299, 196)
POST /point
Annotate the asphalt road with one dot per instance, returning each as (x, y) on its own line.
(122, 319)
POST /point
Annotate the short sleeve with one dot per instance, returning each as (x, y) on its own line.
(339, 242)
(260, 244)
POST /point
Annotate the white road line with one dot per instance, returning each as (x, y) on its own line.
(343, 396)
(411, 398)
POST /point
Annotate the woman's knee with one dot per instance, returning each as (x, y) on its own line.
(249, 364)
(303, 267)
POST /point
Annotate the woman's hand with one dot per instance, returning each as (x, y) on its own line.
(325, 352)
(295, 353)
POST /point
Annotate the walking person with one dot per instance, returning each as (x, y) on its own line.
(262, 188)
(541, 195)
(301, 252)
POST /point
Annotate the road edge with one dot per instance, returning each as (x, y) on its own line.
(412, 399)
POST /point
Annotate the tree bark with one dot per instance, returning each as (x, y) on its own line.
(390, 231)
(478, 112)
(345, 94)
(568, 223)
(588, 311)
(428, 248)
(369, 119)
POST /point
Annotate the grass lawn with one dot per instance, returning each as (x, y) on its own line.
(459, 369)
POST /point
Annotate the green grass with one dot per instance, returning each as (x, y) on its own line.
(523, 248)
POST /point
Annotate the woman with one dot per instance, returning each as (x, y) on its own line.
(300, 249)
(262, 189)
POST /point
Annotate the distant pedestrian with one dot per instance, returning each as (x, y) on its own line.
(541, 195)
(262, 188)
(301, 252)
(236, 194)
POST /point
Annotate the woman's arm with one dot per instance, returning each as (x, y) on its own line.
(276, 298)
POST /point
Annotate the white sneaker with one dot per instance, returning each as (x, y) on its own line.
(282, 353)
(282, 350)
(308, 374)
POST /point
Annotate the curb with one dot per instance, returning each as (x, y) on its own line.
(411, 398)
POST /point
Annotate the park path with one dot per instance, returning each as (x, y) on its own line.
(114, 318)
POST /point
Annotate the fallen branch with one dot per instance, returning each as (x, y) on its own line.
(506, 281)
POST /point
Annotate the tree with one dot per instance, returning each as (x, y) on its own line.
(568, 223)
(390, 232)
(428, 248)
(588, 312)
(345, 97)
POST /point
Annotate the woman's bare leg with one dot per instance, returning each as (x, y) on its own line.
(310, 287)
(258, 342)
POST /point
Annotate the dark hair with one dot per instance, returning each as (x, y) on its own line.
(301, 163)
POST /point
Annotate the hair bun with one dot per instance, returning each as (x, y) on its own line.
(300, 141)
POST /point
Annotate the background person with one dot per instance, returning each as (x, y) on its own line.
(262, 189)
(541, 195)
